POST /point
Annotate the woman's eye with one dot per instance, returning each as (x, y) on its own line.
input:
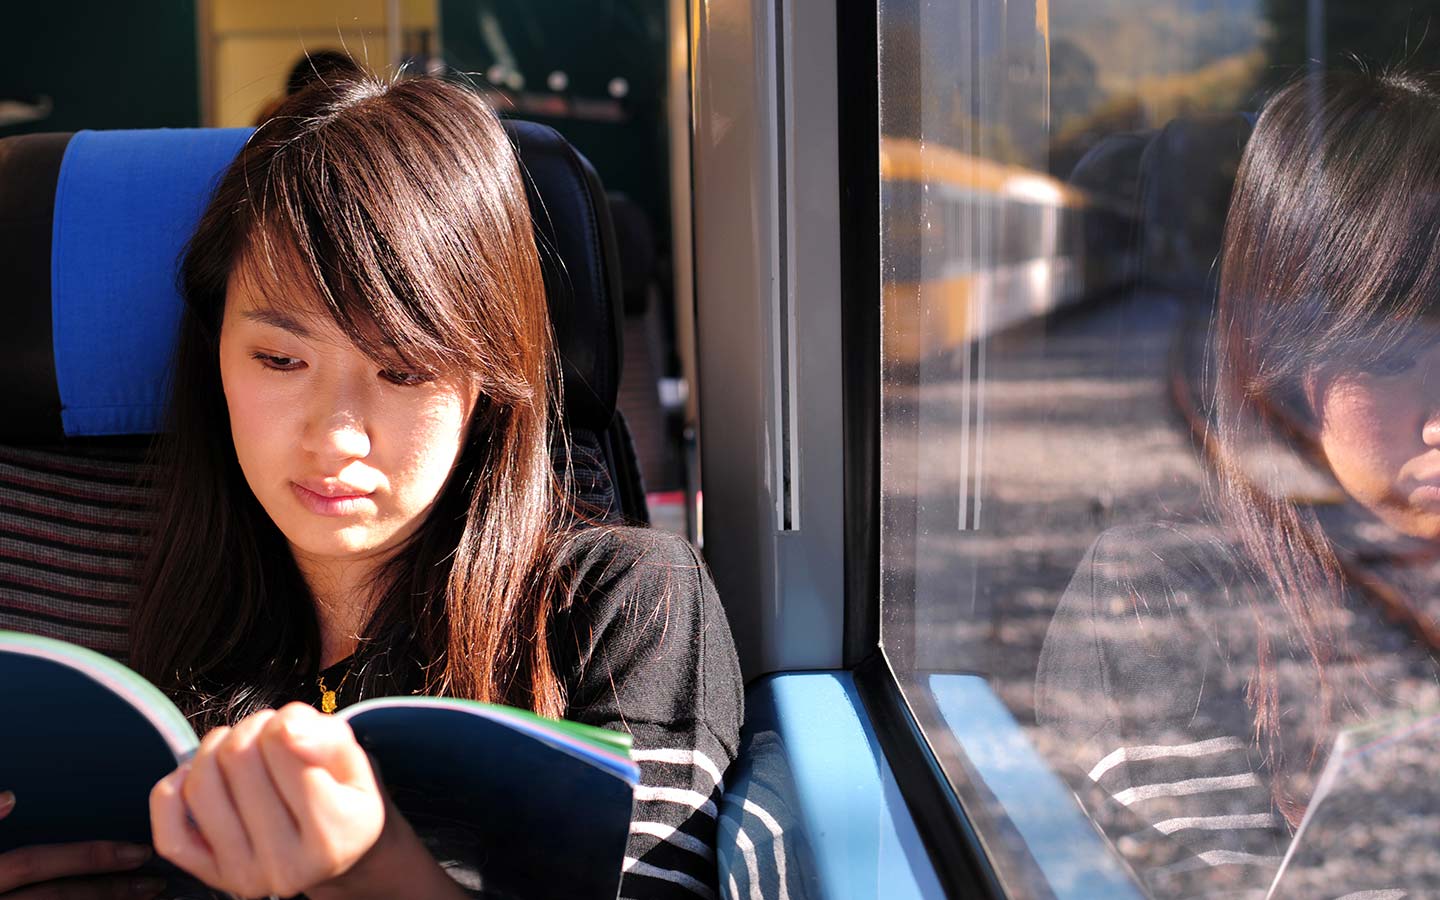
(406, 379)
(278, 363)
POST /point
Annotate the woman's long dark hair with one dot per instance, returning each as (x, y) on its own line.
(400, 206)
(1329, 258)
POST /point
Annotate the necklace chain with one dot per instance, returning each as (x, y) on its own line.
(329, 700)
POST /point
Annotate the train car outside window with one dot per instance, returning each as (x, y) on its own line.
(1160, 436)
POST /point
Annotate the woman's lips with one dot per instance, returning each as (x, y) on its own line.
(346, 505)
(1426, 494)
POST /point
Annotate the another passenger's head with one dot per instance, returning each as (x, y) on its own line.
(322, 65)
(365, 314)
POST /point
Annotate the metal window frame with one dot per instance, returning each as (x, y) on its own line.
(787, 280)
(955, 848)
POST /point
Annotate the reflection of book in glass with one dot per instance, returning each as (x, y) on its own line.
(544, 805)
(1372, 828)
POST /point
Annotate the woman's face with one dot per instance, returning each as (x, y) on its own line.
(345, 455)
(1380, 430)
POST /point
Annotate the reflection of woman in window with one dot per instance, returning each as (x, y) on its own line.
(359, 499)
(1203, 673)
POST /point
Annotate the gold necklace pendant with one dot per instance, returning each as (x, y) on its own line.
(327, 697)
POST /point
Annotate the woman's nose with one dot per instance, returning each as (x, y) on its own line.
(337, 435)
(1430, 432)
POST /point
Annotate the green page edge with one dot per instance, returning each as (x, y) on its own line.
(603, 738)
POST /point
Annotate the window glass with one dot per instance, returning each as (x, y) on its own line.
(1160, 436)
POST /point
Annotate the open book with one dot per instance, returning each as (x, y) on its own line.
(544, 806)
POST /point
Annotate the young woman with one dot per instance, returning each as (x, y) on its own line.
(1201, 673)
(358, 498)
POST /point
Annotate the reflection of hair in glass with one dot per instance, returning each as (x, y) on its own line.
(401, 208)
(1328, 255)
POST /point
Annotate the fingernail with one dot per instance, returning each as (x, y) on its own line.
(146, 887)
(7, 800)
(133, 854)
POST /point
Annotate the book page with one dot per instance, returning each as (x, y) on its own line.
(1372, 829)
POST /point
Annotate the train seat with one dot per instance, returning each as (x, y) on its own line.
(92, 225)
(811, 809)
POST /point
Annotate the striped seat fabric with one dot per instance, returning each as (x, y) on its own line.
(70, 524)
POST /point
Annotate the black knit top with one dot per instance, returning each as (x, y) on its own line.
(644, 648)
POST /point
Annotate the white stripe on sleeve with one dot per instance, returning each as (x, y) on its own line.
(1186, 788)
(683, 758)
(672, 835)
(1215, 823)
(1219, 858)
(1162, 751)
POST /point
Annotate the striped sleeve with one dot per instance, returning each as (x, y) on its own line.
(649, 652)
(671, 852)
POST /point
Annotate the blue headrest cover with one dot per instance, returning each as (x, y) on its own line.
(125, 204)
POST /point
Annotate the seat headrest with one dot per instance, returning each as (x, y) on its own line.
(92, 227)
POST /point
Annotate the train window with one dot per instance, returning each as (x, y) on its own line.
(1160, 442)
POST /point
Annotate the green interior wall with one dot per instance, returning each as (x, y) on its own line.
(103, 64)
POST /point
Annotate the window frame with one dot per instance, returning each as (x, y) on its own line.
(955, 848)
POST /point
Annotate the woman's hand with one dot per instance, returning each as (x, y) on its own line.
(283, 801)
(30, 872)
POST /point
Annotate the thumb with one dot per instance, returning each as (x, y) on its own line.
(7, 803)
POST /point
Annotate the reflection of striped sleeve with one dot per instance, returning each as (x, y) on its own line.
(647, 650)
(1140, 698)
(758, 826)
(1191, 815)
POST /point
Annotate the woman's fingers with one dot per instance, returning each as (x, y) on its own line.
(325, 742)
(271, 826)
(46, 862)
(108, 888)
(326, 780)
(31, 872)
(280, 802)
(176, 837)
(319, 767)
(207, 798)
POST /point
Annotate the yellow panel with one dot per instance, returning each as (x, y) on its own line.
(922, 318)
(309, 15)
(420, 13)
(251, 71)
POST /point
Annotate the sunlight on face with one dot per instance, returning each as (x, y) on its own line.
(345, 456)
(1380, 430)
